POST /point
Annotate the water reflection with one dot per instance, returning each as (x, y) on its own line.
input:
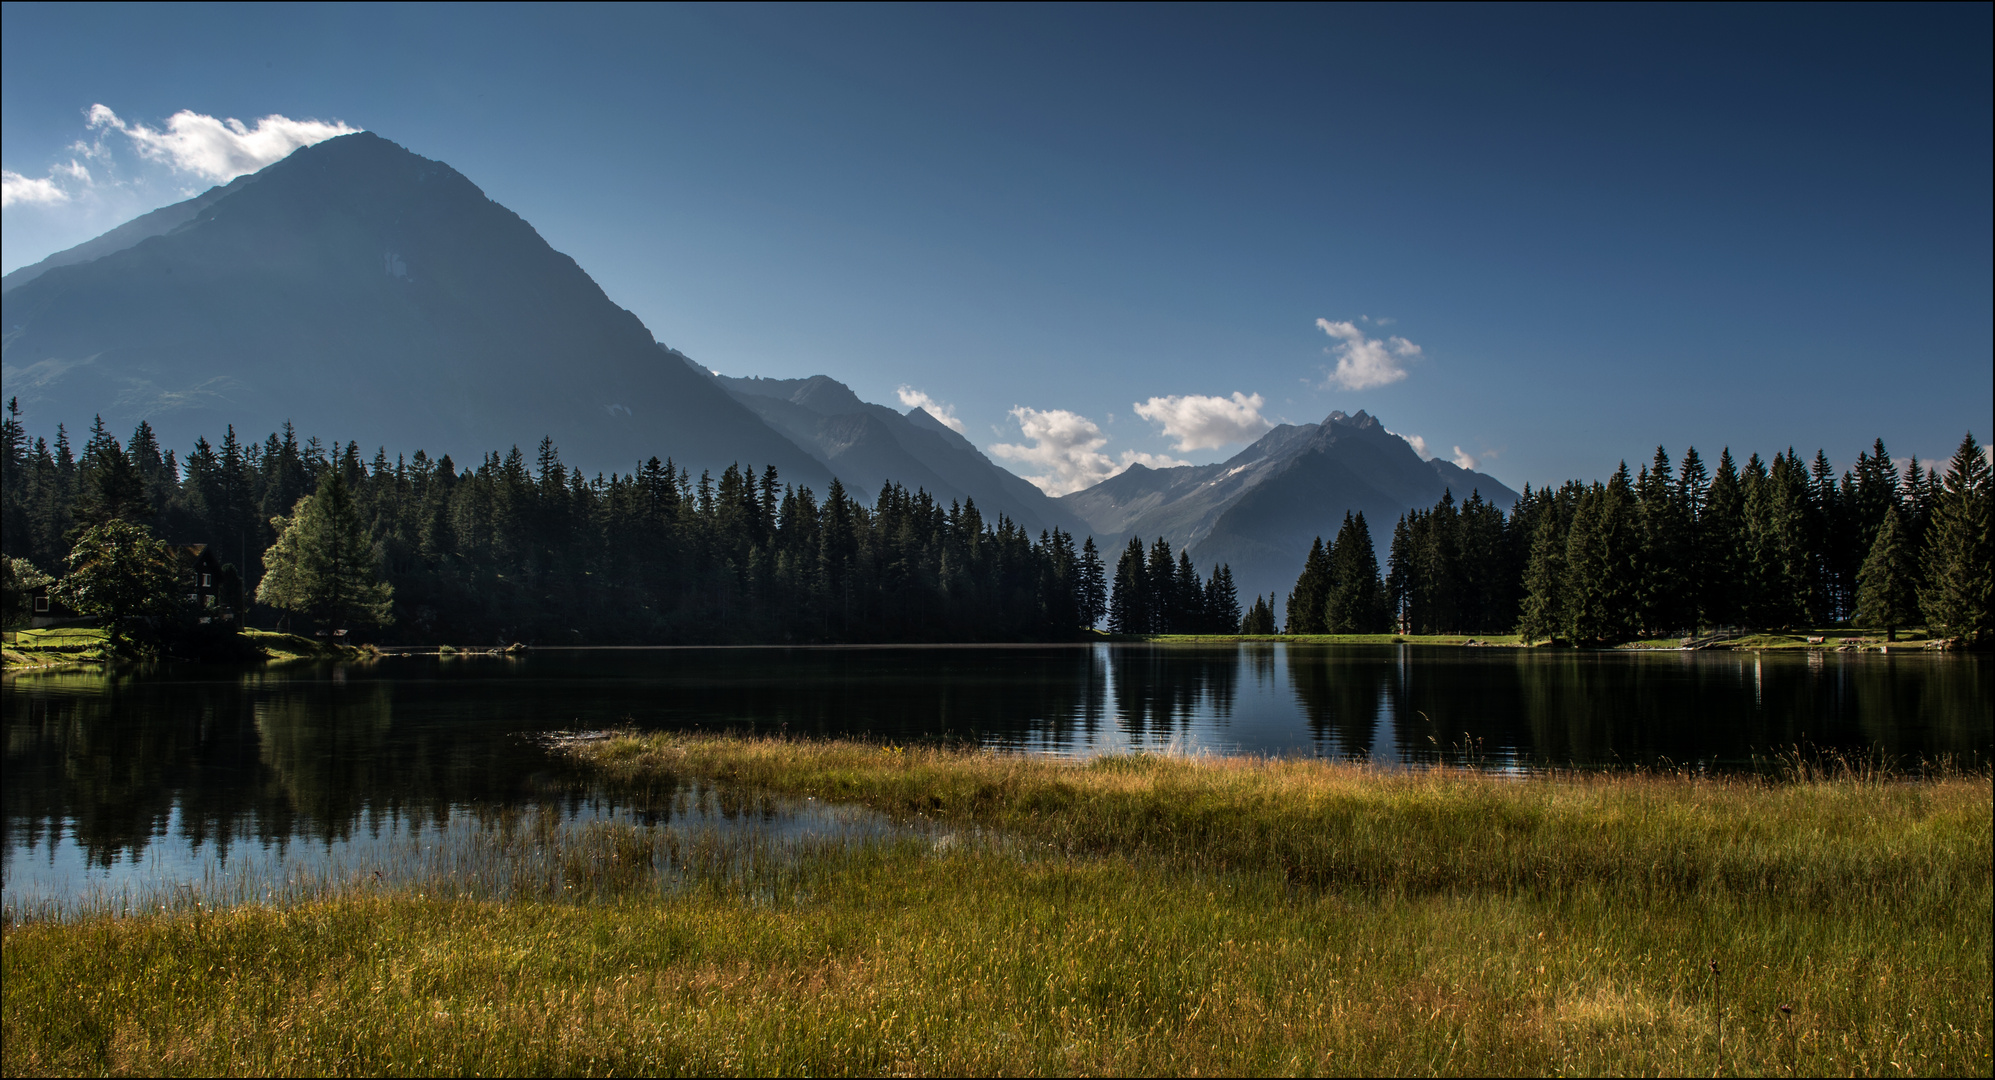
(169, 766)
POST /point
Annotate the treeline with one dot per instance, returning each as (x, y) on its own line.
(510, 550)
(1156, 594)
(1668, 550)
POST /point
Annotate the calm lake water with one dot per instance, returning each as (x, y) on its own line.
(157, 778)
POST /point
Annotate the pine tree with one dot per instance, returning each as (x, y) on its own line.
(1582, 610)
(1621, 545)
(1664, 523)
(116, 490)
(1956, 597)
(1129, 606)
(1598, 588)
(1399, 577)
(1437, 592)
(1260, 619)
(1543, 577)
(1222, 602)
(1312, 588)
(1094, 585)
(1721, 539)
(1190, 595)
(1160, 578)
(1885, 594)
(1355, 603)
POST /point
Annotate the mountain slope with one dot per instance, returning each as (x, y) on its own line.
(867, 445)
(157, 223)
(364, 293)
(1259, 510)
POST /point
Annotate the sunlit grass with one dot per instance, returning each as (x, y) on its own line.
(1133, 914)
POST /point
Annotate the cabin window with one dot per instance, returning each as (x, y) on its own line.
(41, 605)
(207, 581)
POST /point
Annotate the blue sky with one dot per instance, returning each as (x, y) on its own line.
(1544, 238)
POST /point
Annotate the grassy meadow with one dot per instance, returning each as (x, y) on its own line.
(1126, 915)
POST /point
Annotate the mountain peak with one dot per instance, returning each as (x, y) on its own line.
(365, 293)
(1361, 420)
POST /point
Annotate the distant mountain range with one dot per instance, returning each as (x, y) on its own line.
(1259, 510)
(867, 445)
(364, 292)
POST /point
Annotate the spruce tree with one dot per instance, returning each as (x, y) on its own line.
(1190, 592)
(1583, 615)
(1399, 576)
(1093, 585)
(1437, 551)
(1885, 595)
(1664, 580)
(1355, 603)
(1958, 578)
(1260, 618)
(1598, 588)
(1620, 553)
(1129, 605)
(1160, 577)
(1826, 601)
(1721, 538)
(1305, 601)
(1222, 603)
(1543, 578)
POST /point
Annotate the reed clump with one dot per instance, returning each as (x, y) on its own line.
(1126, 915)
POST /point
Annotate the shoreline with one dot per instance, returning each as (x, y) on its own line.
(75, 647)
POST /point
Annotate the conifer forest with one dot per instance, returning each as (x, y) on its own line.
(421, 549)
(1674, 549)
(506, 550)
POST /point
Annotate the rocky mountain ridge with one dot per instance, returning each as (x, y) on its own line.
(1259, 510)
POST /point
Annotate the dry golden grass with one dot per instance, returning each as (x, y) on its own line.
(1062, 919)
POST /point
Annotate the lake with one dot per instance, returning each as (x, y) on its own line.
(156, 777)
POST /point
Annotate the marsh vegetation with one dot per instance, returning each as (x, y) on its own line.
(1131, 914)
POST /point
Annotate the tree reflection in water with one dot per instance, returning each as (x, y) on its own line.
(115, 762)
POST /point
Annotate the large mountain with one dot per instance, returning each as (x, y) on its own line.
(867, 445)
(365, 293)
(1259, 510)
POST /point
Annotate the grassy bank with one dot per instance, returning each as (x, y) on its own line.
(57, 646)
(1128, 915)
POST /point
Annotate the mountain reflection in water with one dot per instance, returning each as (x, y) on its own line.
(113, 766)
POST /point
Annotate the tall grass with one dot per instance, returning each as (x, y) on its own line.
(1129, 915)
(1819, 837)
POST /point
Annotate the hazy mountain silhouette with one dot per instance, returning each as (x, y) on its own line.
(1259, 510)
(867, 445)
(365, 293)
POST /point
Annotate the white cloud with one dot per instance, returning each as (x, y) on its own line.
(916, 399)
(218, 150)
(1418, 444)
(1364, 362)
(1464, 459)
(1066, 450)
(34, 191)
(1199, 422)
